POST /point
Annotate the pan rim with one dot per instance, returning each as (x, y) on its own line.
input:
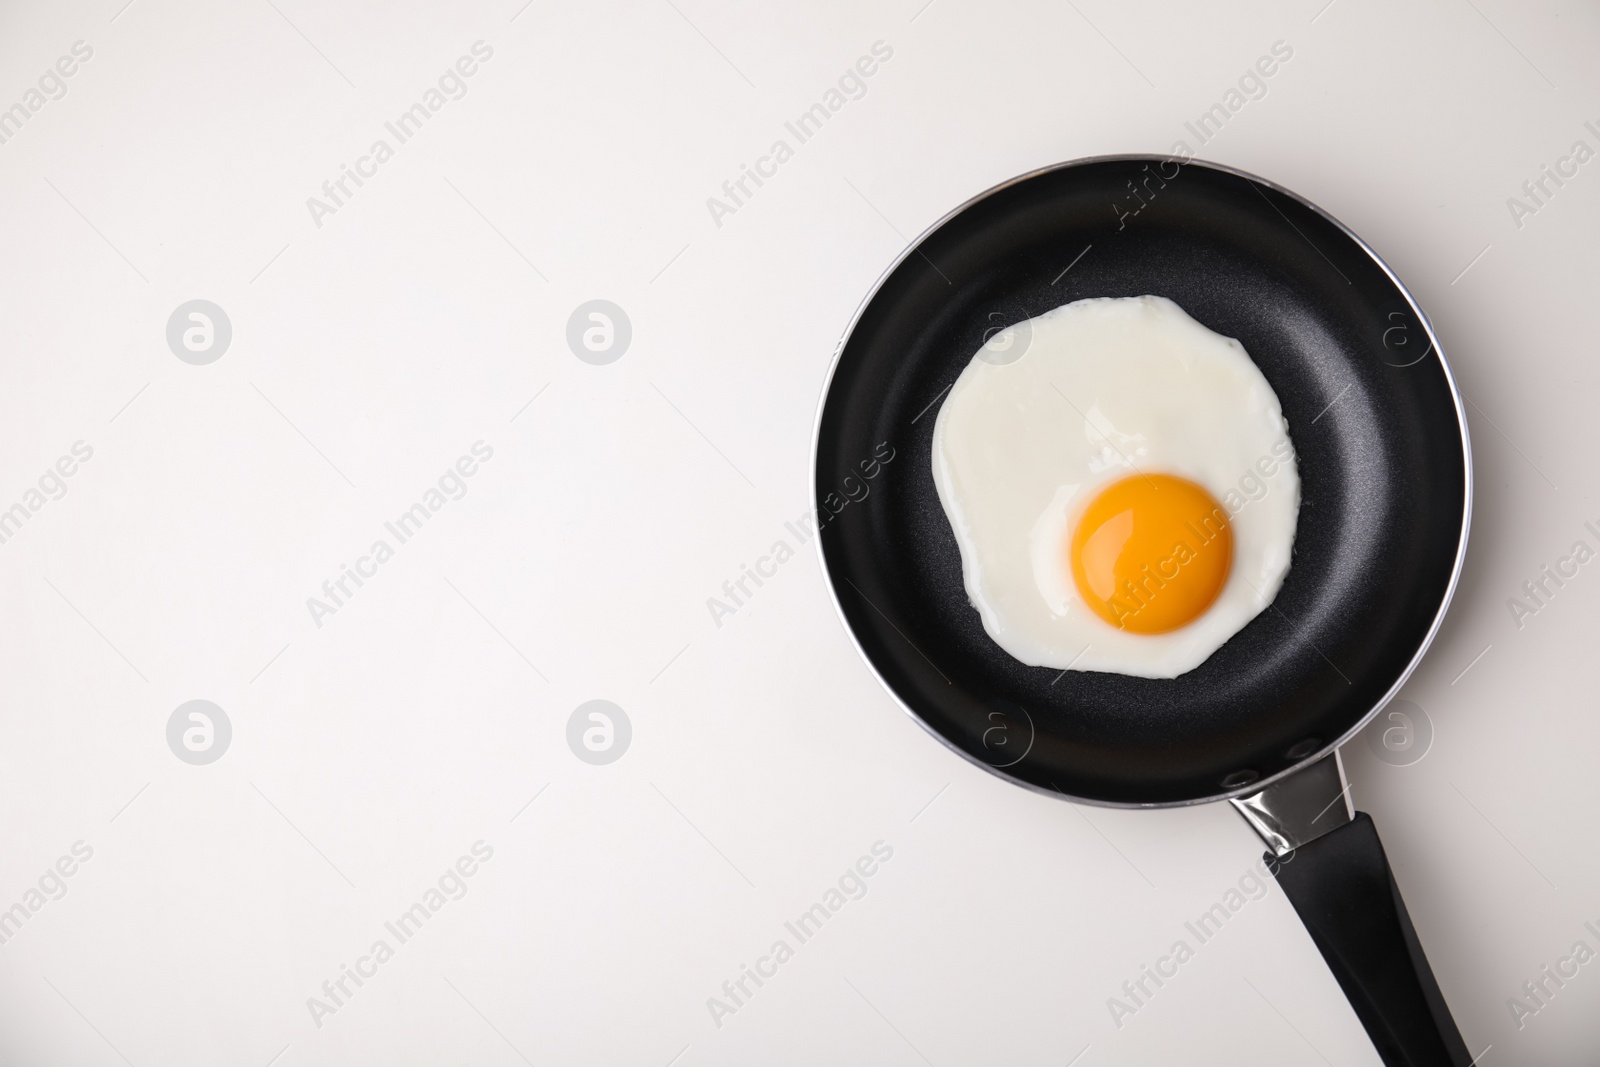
(1259, 784)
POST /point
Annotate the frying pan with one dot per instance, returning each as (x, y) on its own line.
(1381, 444)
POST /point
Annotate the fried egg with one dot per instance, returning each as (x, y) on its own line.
(1121, 486)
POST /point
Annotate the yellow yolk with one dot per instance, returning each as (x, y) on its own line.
(1151, 553)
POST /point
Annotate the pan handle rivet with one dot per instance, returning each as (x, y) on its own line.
(1238, 778)
(1303, 749)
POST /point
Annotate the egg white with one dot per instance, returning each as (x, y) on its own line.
(1104, 389)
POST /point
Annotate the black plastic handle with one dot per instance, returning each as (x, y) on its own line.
(1341, 885)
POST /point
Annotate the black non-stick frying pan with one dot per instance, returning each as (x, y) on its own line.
(1381, 443)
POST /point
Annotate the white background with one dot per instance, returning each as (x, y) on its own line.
(370, 352)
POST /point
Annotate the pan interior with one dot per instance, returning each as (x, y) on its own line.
(1371, 414)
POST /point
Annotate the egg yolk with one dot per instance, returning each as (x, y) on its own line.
(1151, 553)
